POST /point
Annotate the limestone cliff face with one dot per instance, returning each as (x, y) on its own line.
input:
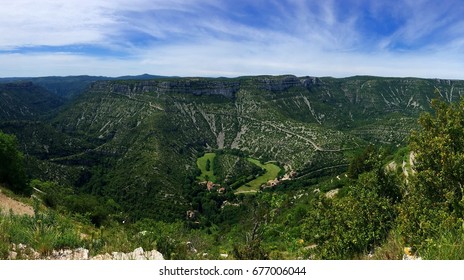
(282, 83)
(225, 88)
(204, 86)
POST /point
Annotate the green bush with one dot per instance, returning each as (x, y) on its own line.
(434, 201)
(350, 225)
(12, 169)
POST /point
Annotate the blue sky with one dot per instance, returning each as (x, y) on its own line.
(232, 38)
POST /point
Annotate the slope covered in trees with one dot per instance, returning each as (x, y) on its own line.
(137, 142)
(356, 181)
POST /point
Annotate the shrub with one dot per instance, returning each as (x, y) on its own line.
(434, 201)
(346, 226)
(12, 169)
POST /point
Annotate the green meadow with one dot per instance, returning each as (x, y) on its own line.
(272, 171)
(207, 169)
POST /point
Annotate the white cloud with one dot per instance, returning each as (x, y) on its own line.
(230, 60)
(51, 23)
(62, 64)
(196, 38)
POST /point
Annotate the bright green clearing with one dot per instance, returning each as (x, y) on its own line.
(272, 171)
(202, 163)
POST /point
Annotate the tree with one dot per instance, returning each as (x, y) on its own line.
(343, 227)
(12, 170)
(439, 149)
(208, 165)
(251, 248)
(434, 199)
(362, 163)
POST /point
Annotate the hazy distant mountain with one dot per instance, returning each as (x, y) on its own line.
(70, 86)
(26, 101)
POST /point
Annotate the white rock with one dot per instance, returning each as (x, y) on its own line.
(138, 254)
(154, 255)
(106, 256)
(119, 256)
(81, 254)
(12, 255)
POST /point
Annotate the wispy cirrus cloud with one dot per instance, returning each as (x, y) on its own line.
(50, 23)
(231, 38)
(426, 25)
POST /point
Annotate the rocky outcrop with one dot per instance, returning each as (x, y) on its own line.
(282, 83)
(224, 87)
(137, 254)
(202, 86)
(21, 251)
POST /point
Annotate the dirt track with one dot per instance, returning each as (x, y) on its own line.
(19, 208)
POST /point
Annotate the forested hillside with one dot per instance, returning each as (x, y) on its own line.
(256, 167)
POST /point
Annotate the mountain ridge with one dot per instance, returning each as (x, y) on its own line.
(69, 86)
